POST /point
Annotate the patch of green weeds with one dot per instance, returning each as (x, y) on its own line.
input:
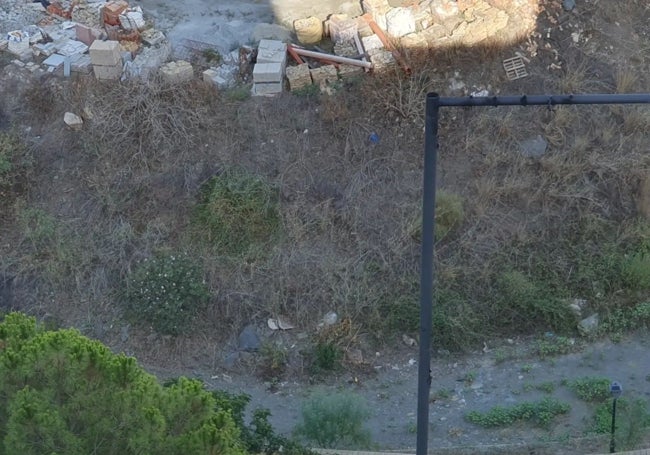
(546, 387)
(308, 91)
(449, 216)
(273, 360)
(591, 388)
(237, 211)
(334, 420)
(540, 413)
(635, 271)
(238, 93)
(526, 368)
(555, 345)
(442, 394)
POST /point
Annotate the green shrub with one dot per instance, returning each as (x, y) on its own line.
(327, 357)
(449, 215)
(591, 388)
(166, 291)
(635, 271)
(539, 412)
(335, 420)
(237, 211)
(555, 345)
(527, 305)
(65, 393)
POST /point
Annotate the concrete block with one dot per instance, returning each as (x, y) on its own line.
(268, 72)
(271, 51)
(86, 34)
(81, 64)
(349, 71)
(267, 88)
(212, 76)
(371, 43)
(177, 72)
(152, 37)
(105, 53)
(324, 75)
(378, 10)
(400, 22)
(381, 59)
(108, 73)
(341, 28)
(71, 47)
(298, 76)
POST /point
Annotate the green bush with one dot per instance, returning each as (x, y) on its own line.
(335, 420)
(635, 271)
(327, 357)
(539, 412)
(64, 393)
(525, 304)
(449, 215)
(591, 388)
(166, 291)
(237, 211)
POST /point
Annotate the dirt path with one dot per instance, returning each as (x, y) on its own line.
(476, 382)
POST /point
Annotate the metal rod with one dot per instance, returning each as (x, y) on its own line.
(433, 104)
(426, 277)
(543, 100)
(612, 441)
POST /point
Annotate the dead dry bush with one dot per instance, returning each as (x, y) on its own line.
(158, 121)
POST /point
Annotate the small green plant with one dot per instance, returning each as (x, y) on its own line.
(327, 357)
(308, 91)
(632, 421)
(166, 291)
(237, 211)
(442, 394)
(539, 412)
(546, 387)
(470, 377)
(449, 215)
(590, 388)
(554, 346)
(212, 56)
(274, 360)
(334, 420)
(636, 271)
(526, 368)
(239, 93)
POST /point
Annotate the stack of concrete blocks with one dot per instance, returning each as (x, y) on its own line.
(106, 58)
(298, 76)
(177, 72)
(268, 73)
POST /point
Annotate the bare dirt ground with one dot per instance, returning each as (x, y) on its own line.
(75, 187)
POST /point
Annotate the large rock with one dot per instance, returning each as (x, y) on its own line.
(588, 326)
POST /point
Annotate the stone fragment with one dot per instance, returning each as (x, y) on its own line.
(298, 76)
(73, 120)
(589, 325)
(534, 147)
(308, 30)
(249, 340)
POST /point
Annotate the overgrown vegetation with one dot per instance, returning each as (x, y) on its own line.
(591, 388)
(335, 420)
(632, 421)
(541, 413)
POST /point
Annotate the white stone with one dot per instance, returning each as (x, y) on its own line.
(400, 22)
(268, 72)
(73, 120)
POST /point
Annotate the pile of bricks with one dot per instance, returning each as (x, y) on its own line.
(106, 59)
(268, 73)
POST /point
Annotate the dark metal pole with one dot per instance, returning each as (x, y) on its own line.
(426, 272)
(433, 105)
(612, 441)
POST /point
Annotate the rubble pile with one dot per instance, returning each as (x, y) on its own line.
(77, 36)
